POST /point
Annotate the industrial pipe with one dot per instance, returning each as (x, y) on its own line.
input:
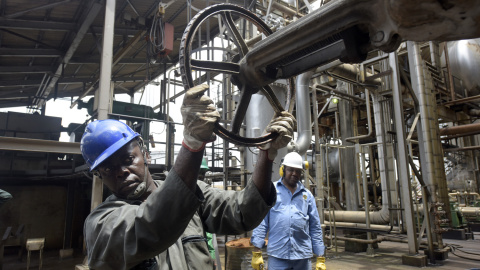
(302, 103)
(470, 211)
(469, 128)
(379, 217)
(369, 121)
(373, 227)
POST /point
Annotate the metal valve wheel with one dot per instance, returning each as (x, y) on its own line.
(233, 67)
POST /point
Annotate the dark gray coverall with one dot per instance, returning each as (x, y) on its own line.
(169, 227)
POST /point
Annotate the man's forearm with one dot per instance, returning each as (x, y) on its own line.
(187, 166)
(262, 175)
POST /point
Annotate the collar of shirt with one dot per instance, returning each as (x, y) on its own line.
(300, 187)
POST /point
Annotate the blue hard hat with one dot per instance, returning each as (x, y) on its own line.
(102, 138)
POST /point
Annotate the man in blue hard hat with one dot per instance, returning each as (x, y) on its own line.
(149, 224)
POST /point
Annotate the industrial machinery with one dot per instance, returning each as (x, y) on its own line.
(385, 128)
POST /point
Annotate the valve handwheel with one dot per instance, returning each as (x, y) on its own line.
(227, 12)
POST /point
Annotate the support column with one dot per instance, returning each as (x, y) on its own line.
(431, 156)
(402, 157)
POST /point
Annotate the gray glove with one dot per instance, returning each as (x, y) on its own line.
(199, 117)
(282, 124)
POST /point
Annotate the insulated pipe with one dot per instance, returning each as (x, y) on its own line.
(470, 211)
(431, 154)
(302, 103)
(379, 217)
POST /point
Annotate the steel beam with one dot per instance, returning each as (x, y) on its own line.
(35, 145)
(402, 156)
(25, 69)
(12, 52)
(20, 13)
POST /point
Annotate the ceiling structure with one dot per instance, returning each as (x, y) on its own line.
(52, 48)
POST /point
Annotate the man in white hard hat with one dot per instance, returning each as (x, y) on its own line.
(293, 224)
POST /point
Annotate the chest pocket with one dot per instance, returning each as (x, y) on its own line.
(195, 247)
(300, 215)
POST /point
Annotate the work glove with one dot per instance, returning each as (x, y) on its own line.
(257, 260)
(320, 265)
(199, 117)
(282, 124)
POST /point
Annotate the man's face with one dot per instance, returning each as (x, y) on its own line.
(292, 176)
(124, 170)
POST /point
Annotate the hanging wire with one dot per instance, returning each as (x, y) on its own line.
(157, 35)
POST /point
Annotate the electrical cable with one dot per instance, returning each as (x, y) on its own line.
(454, 248)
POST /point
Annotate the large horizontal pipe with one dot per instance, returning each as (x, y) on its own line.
(362, 226)
(379, 217)
(470, 211)
(469, 128)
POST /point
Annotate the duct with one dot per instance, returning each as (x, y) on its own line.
(303, 113)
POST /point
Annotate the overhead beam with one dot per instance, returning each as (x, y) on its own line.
(68, 81)
(25, 69)
(35, 145)
(20, 13)
(57, 26)
(14, 52)
(92, 14)
(96, 60)
(36, 25)
(116, 59)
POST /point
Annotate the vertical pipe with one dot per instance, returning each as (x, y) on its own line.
(402, 156)
(304, 129)
(370, 250)
(378, 114)
(318, 182)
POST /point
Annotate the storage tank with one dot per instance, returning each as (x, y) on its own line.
(464, 56)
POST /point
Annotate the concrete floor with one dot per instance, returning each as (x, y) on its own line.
(388, 256)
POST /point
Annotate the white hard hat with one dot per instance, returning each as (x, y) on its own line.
(294, 160)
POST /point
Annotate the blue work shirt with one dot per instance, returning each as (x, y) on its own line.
(293, 225)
